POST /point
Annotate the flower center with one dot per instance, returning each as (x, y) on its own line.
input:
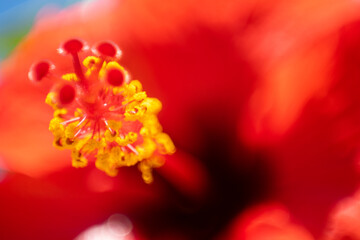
(101, 115)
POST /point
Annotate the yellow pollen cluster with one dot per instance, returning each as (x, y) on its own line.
(114, 126)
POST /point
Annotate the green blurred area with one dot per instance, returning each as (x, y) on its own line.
(17, 17)
(10, 40)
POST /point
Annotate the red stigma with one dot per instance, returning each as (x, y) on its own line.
(66, 94)
(40, 70)
(107, 49)
(72, 46)
(115, 77)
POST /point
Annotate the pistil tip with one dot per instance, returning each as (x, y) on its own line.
(72, 46)
(107, 49)
(66, 94)
(40, 70)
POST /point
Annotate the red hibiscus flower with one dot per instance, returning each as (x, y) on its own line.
(258, 97)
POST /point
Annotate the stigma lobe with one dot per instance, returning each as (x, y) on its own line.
(40, 70)
(115, 77)
(66, 94)
(71, 46)
(107, 49)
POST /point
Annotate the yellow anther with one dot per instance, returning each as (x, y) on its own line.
(130, 106)
(147, 165)
(152, 125)
(156, 161)
(70, 77)
(146, 172)
(78, 161)
(114, 65)
(132, 137)
(103, 163)
(117, 90)
(80, 143)
(111, 171)
(133, 87)
(129, 138)
(71, 129)
(152, 105)
(131, 159)
(102, 71)
(122, 140)
(115, 154)
(78, 112)
(91, 63)
(147, 148)
(120, 158)
(110, 136)
(115, 125)
(92, 145)
(102, 160)
(166, 146)
(51, 100)
(68, 143)
(144, 132)
(56, 127)
(133, 113)
(57, 143)
(139, 96)
(59, 112)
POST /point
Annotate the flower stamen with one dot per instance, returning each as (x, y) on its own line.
(100, 114)
(70, 121)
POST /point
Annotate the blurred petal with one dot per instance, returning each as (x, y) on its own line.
(187, 174)
(304, 113)
(296, 45)
(344, 219)
(266, 222)
(61, 205)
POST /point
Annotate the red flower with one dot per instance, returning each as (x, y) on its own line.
(271, 71)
